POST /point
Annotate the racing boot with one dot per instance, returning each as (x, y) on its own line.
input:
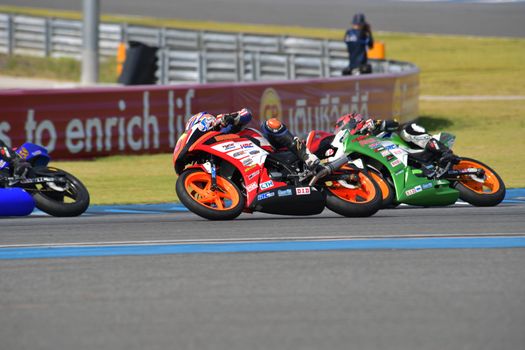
(279, 136)
(443, 156)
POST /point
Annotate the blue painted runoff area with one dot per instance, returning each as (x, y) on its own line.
(257, 247)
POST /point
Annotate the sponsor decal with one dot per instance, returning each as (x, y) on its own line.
(250, 168)
(23, 153)
(238, 154)
(254, 174)
(246, 145)
(251, 187)
(247, 161)
(255, 151)
(410, 192)
(359, 138)
(301, 191)
(389, 157)
(367, 141)
(229, 146)
(395, 163)
(414, 190)
(385, 153)
(426, 186)
(270, 105)
(391, 147)
(397, 151)
(330, 152)
(266, 185)
(266, 195)
(374, 145)
(284, 193)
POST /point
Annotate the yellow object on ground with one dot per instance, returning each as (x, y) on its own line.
(377, 51)
(121, 57)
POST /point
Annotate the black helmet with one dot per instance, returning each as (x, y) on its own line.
(359, 18)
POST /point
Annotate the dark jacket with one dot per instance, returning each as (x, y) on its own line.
(357, 41)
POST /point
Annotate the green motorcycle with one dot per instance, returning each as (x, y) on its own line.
(404, 179)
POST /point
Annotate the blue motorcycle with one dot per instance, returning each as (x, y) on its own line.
(51, 190)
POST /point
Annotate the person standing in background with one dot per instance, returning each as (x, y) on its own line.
(358, 39)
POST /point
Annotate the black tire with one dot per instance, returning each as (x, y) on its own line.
(479, 199)
(52, 202)
(352, 209)
(200, 209)
(387, 191)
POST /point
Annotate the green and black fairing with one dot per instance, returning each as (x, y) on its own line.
(389, 155)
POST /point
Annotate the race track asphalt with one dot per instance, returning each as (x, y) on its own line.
(491, 18)
(367, 299)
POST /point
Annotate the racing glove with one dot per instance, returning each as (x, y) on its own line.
(387, 125)
(365, 127)
(20, 166)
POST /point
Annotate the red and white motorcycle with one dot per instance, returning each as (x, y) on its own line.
(222, 175)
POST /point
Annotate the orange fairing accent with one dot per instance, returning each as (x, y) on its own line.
(201, 140)
(489, 186)
(198, 186)
(360, 195)
(226, 137)
(179, 146)
(385, 189)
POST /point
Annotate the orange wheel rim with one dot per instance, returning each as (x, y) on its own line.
(224, 197)
(385, 189)
(490, 184)
(362, 194)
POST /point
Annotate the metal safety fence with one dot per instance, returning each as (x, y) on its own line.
(186, 56)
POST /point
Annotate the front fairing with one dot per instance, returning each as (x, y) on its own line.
(241, 153)
(34, 154)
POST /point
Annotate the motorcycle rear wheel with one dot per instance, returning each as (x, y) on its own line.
(487, 194)
(194, 190)
(72, 202)
(362, 201)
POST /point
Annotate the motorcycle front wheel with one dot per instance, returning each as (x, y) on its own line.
(194, 188)
(486, 192)
(354, 200)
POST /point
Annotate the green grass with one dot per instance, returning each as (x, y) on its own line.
(459, 65)
(126, 179)
(63, 69)
(489, 131)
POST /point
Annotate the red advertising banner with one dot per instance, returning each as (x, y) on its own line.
(93, 122)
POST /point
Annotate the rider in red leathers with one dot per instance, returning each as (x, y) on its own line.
(274, 131)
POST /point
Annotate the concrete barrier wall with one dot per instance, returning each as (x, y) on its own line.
(93, 122)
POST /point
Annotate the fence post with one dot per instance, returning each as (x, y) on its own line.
(291, 66)
(48, 32)
(90, 36)
(202, 67)
(166, 66)
(256, 65)
(124, 33)
(10, 35)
